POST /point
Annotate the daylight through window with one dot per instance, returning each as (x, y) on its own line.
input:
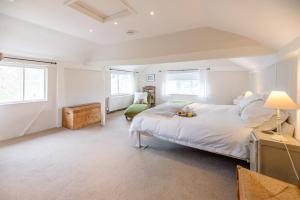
(22, 83)
(187, 83)
(122, 83)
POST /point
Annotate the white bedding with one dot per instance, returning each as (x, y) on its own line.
(215, 128)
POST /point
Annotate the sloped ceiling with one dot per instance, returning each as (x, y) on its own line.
(255, 63)
(274, 23)
(180, 30)
(27, 39)
(195, 44)
(21, 38)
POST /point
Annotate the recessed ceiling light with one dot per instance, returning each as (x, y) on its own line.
(11, 0)
(115, 23)
(152, 13)
(91, 30)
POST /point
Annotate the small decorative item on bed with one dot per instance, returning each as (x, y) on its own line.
(182, 113)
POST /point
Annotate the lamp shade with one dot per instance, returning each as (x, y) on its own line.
(280, 100)
(248, 94)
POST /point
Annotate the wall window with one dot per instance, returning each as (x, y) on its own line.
(20, 83)
(186, 83)
(122, 83)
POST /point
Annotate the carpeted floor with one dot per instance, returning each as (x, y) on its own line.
(100, 163)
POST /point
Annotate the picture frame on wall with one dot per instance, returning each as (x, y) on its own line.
(150, 77)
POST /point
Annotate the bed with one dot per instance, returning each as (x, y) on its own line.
(215, 128)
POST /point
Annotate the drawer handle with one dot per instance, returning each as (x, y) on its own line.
(251, 141)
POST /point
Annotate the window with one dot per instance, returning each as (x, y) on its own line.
(122, 83)
(186, 83)
(22, 83)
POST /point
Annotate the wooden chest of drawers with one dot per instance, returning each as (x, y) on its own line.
(79, 116)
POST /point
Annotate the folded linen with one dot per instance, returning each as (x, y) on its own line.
(168, 109)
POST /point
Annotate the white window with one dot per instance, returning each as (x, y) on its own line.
(122, 83)
(22, 83)
(186, 83)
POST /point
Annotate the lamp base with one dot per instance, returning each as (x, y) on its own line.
(279, 138)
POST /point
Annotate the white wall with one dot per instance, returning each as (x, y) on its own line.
(224, 86)
(19, 38)
(84, 86)
(24, 118)
(224, 83)
(281, 76)
(297, 134)
(66, 86)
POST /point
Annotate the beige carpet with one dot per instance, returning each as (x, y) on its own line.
(100, 163)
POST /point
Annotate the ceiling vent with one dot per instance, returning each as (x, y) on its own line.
(131, 32)
(102, 10)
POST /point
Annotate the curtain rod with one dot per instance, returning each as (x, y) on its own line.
(31, 60)
(120, 70)
(181, 70)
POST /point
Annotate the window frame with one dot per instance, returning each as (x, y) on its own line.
(24, 66)
(180, 72)
(118, 83)
(181, 94)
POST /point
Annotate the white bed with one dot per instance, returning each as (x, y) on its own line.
(215, 128)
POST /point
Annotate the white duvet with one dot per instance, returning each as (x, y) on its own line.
(215, 128)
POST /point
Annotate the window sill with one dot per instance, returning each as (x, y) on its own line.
(182, 95)
(23, 102)
(120, 95)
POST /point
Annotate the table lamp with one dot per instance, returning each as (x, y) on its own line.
(279, 100)
(248, 94)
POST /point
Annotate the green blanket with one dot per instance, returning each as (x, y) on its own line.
(135, 109)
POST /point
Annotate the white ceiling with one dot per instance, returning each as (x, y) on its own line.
(22, 38)
(255, 63)
(274, 23)
(19, 38)
(215, 65)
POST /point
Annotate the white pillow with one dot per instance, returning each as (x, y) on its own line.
(271, 124)
(237, 100)
(140, 98)
(246, 101)
(254, 114)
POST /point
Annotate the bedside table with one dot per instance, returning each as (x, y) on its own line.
(270, 157)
